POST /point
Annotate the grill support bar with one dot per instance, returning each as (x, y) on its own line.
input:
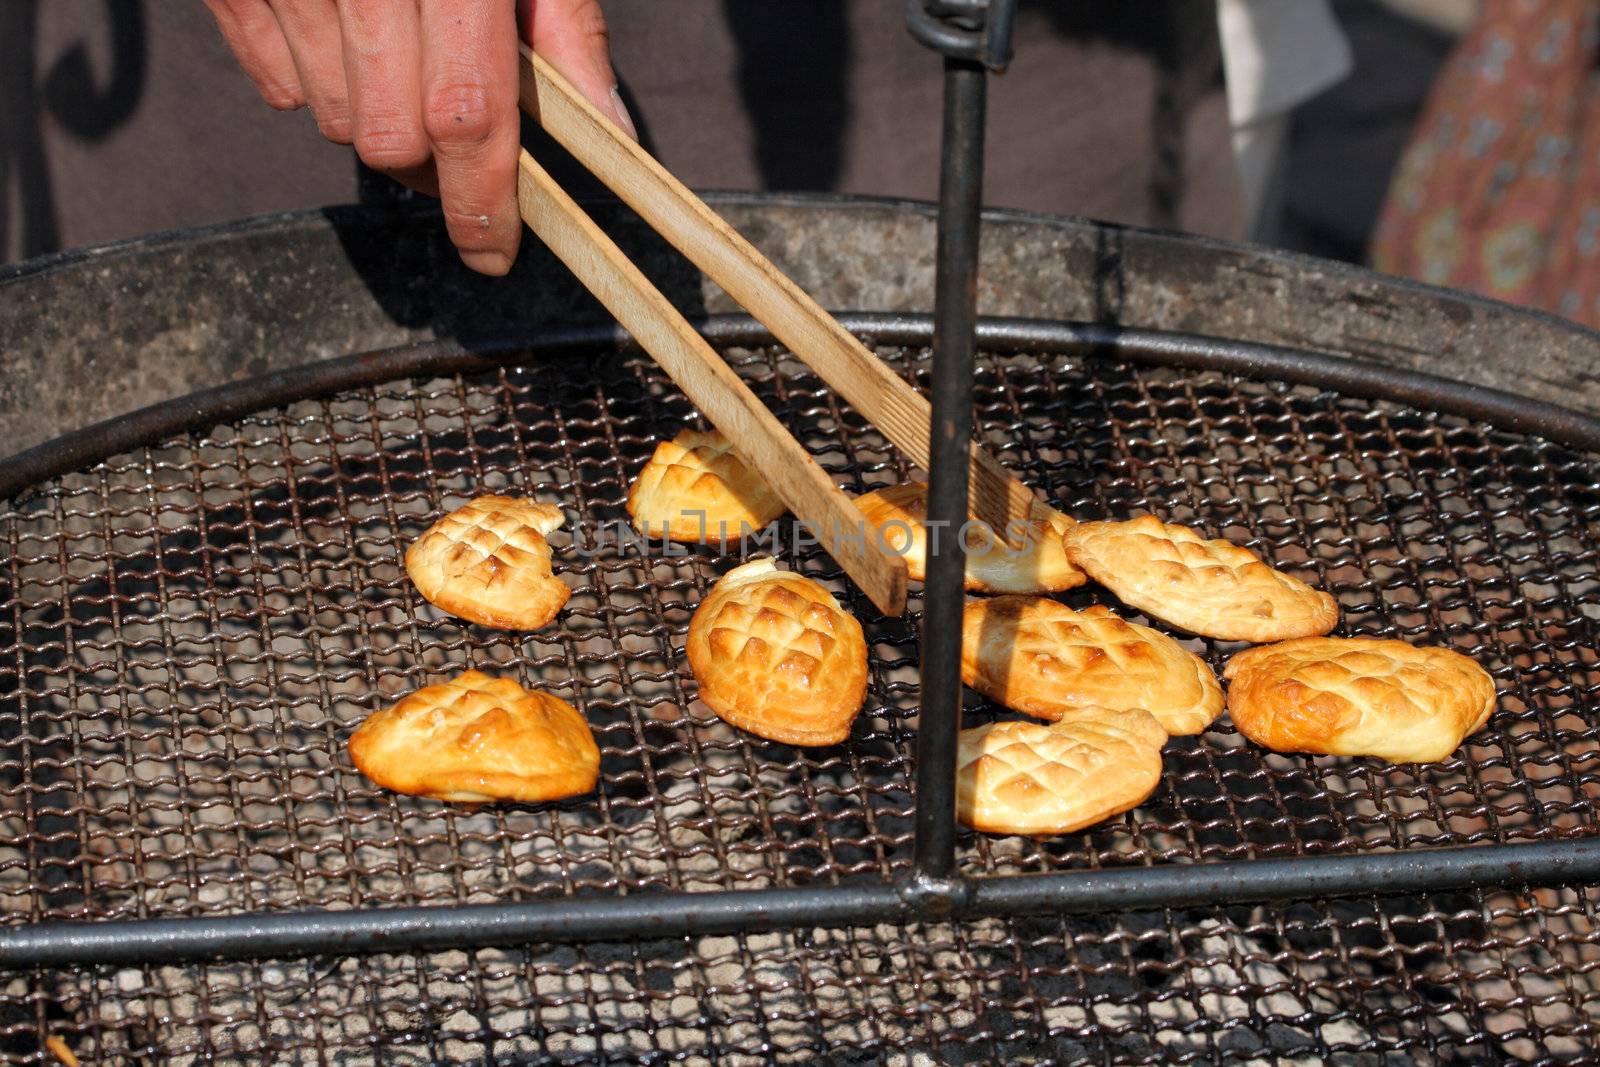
(259, 936)
(950, 442)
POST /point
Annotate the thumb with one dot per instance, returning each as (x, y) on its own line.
(572, 36)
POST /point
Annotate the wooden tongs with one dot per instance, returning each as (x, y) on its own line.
(815, 338)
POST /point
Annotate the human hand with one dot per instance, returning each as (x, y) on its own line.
(426, 90)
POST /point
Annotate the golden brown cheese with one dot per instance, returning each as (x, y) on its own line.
(489, 563)
(899, 515)
(1033, 778)
(1040, 657)
(776, 655)
(477, 738)
(1358, 697)
(695, 490)
(1212, 588)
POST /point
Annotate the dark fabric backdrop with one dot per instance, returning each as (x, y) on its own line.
(121, 117)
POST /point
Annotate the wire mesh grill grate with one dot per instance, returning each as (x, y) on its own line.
(189, 632)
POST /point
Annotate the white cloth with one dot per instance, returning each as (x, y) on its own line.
(1276, 55)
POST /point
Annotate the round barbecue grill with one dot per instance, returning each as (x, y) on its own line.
(200, 600)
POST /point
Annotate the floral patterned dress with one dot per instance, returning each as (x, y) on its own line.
(1499, 189)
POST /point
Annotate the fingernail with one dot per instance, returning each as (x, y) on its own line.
(624, 119)
(488, 262)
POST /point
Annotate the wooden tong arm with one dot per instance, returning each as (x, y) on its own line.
(705, 377)
(705, 238)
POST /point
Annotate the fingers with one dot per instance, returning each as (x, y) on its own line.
(383, 70)
(311, 29)
(572, 35)
(252, 34)
(425, 89)
(469, 113)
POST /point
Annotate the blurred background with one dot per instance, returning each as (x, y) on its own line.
(1446, 140)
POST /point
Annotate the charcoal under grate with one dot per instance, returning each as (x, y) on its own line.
(189, 632)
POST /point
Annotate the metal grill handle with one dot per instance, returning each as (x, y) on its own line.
(954, 317)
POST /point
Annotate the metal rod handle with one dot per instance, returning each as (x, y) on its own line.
(954, 324)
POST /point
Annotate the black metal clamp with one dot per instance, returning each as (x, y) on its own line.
(978, 31)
